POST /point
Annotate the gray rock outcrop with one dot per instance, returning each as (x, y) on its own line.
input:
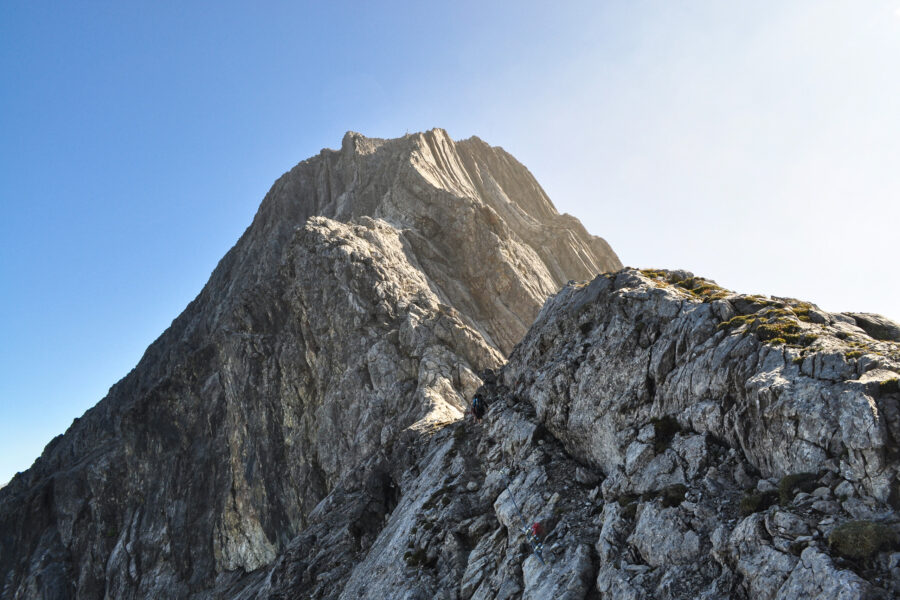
(877, 326)
(675, 439)
(737, 434)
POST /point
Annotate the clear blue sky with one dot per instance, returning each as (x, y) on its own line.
(757, 143)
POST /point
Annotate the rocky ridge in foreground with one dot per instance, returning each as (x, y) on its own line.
(677, 441)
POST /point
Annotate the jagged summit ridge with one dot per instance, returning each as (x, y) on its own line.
(462, 200)
(372, 287)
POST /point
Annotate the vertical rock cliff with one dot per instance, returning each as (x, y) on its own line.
(354, 315)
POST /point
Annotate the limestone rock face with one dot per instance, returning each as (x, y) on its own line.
(353, 316)
(676, 441)
(298, 432)
(735, 434)
(478, 224)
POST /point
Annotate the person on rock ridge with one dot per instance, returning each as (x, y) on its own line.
(478, 408)
(535, 533)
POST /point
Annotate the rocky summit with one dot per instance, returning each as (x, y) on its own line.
(374, 284)
(299, 431)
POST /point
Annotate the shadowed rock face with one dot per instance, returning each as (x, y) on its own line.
(351, 317)
(877, 326)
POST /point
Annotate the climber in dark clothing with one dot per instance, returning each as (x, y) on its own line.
(478, 408)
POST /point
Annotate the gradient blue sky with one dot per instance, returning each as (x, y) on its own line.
(755, 142)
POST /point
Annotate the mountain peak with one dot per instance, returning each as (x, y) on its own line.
(357, 143)
(374, 286)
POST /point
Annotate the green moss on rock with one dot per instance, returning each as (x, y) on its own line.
(802, 311)
(889, 386)
(756, 502)
(798, 482)
(861, 540)
(702, 289)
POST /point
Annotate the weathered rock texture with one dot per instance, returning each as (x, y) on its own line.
(297, 433)
(351, 318)
(671, 441)
(735, 432)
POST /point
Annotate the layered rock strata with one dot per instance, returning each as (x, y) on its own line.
(373, 285)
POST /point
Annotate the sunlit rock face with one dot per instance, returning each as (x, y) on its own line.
(298, 432)
(348, 324)
(742, 439)
(675, 439)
